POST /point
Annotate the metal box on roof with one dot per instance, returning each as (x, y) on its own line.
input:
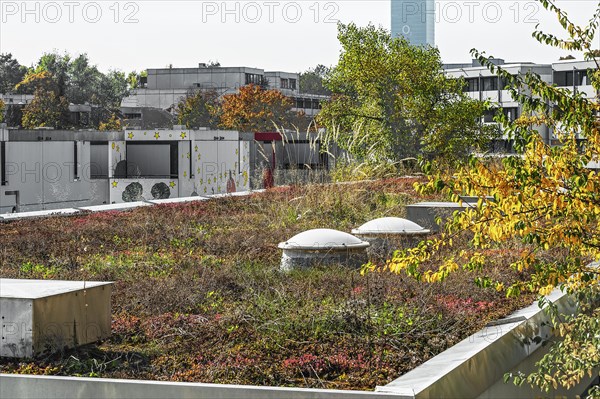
(426, 213)
(388, 234)
(50, 315)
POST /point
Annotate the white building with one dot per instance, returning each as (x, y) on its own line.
(52, 169)
(165, 87)
(481, 84)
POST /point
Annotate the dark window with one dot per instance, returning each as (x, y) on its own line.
(583, 78)
(284, 84)
(299, 103)
(471, 85)
(293, 84)
(3, 181)
(153, 160)
(99, 159)
(504, 83)
(563, 78)
(75, 161)
(488, 116)
(254, 78)
(316, 104)
(511, 113)
(490, 83)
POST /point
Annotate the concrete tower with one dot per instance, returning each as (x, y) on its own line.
(415, 20)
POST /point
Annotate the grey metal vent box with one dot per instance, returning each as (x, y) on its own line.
(49, 315)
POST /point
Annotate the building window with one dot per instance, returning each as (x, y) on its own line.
(299, 103)
(254, 78)
(488, 115)
(510, 113)
(471, 85)
(563, 78)
(293, 84)
(583, 78)
(490, 83)
(99, 160)
(284, 84)
(504, 84)
(152, 159)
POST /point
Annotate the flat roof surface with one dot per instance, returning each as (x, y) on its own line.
(490, 338)
(37, 214)
(33, 289)
(177, 200)
(114, 207)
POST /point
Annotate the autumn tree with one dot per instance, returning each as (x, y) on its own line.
(392, 100)
(111, 124)
(79, 82)
(135, 79)
(47, 109)
(2, 110)
(199, 108)
(33, 81)
(254, 108)
(541, 204)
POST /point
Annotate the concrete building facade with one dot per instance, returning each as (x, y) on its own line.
(47, 169)
(481, 84)
(53, 169)
(165, 87)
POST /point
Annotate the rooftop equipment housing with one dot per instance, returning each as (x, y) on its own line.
(389, 233)
(323, 247)
(426, 213)
(47, 316)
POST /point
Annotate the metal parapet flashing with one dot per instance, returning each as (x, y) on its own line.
(474, 365)
(123, 206)
(51, 387)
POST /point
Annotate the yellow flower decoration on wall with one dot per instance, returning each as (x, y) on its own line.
(172, 184)
(130, 135)
(183, 135)
(196, 149)
(115, 184)
(157, 135)
(113, 145)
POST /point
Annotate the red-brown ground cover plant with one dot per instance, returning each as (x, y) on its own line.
(198, 294)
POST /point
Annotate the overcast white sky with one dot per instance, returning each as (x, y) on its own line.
(269, 34)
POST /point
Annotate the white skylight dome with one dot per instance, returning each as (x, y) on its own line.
(390, 225)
